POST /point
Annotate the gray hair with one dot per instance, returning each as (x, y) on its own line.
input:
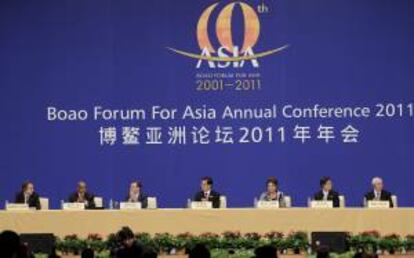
(376, 180)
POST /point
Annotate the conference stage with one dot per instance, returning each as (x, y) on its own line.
(176, 221)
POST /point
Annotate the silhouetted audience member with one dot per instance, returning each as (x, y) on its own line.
(266, 251)
(322, 252)
(9, 243)
(149, 253)
(199, 251)
(11, 246)
(88, 253)
(129, 247)
(363, 254)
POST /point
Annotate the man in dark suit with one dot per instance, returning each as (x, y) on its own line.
(129, 247)
(81, 195)
(326, 193)
(207, 193)
(378, 193)
(136, 194)
(28, 195)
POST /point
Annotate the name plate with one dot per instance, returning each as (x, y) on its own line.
(75, 206)
(201, 205)
(321, 204)
(130, 206)
(379, 204)
(17, 207)
(268, 204)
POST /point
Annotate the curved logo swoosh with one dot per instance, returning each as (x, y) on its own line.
(228, 59)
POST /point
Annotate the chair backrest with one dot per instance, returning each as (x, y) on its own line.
(98, 202)
(342, 201)
(288, 201)
(223, 201)
(365, 202)
(152, 202)
(44, 203)
(394, 199)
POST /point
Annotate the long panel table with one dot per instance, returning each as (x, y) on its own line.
(82, 223)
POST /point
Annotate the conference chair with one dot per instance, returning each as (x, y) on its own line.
(98, 202)
(44, 203)
(341, 201)
(288, 201)
(223, 202)
(152, 203)
(394, 199)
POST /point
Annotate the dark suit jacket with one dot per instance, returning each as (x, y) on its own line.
(135, 250)
(142, 199)
(332, 196)
(385, 196)
(214, 197)
(90, 204)
(33, 201)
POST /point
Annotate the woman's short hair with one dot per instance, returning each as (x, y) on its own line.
(272, 180)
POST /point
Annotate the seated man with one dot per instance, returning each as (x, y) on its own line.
(378, 193)
(136, 194)
(326, 193)
(28, 195)
(82, 196)
(207, 193)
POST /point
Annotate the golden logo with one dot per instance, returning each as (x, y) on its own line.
(228, 51)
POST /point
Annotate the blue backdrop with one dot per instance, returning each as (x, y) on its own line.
(75, 54)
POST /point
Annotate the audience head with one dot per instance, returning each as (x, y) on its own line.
(266, 251)
(88, 253)
(377, 184)
(27, 187)
(9, 244)
(206, 184)
(326, 183)
(199, 251)
(126, 237)
(272, 185)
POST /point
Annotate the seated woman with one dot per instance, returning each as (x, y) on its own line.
(273, 193)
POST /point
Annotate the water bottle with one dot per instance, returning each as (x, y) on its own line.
(188, 203)
(62, 202)
(255, 201)
(111, 204)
